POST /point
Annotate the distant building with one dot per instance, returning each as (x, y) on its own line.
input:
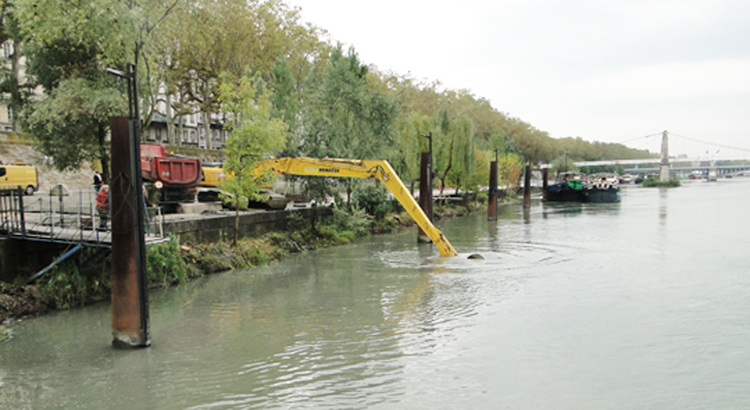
(187, 130)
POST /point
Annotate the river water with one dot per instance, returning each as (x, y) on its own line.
(643, 304)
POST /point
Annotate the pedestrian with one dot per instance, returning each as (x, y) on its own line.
(98, 181)
(102, 207)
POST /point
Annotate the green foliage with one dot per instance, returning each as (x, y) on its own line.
(563, 163)
(482, 197)
(335, 118)
(72, 123)
(285, 99)
(165, 264)
(410, 142)
(463, 157)
(480, 172)
(297, 222)
(339, 228)
(348, 224)
(509, 169)
(652, 182)
(201, 50)
(373, 199)
(254, 133)
(320, 189)
(65, 288)
(65, 40)
(349, 113)
(65, 285)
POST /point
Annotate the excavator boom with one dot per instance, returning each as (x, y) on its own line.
(380, 169)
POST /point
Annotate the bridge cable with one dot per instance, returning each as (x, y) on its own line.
(634, 139)
(710, 143)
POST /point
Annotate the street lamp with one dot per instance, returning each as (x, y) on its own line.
(132, 81)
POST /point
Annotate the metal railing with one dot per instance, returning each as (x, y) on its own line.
(64, 217)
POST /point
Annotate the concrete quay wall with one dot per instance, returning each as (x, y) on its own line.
(19, 258)
(220, 227)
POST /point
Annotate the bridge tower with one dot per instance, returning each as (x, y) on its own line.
(664, 167)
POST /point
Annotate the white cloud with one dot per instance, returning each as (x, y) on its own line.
(607, 70)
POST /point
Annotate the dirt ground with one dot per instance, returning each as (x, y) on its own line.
(19, 301)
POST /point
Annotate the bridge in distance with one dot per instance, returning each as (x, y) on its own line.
(721, 158)
(689, 164)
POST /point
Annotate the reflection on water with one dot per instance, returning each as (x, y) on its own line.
(573, 306)
(663, 197)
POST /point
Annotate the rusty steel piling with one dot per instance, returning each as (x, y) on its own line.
(425, 193)
(492, 197)
(527, 186)
(130, 315)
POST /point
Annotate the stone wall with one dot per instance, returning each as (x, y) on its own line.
(21, 259)
(212, 228)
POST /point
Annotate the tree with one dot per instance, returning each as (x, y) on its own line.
(14, 94)
(68, 46)
(285, 100)
(463, 132)
(405, 157)
(254, 133)
(349, 113)
(71, 124)
(210, 37)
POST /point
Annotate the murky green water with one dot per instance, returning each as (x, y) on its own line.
(642, 304)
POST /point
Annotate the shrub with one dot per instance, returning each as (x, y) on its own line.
(654, 182)
(373, 199)
(165, 264)
(355, 222)
(66, 285)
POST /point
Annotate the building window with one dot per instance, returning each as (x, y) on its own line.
(7, 49)
(157, 134)
(192, 137)
(202, 133)
(185, 136)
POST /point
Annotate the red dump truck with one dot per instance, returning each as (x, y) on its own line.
(169, 179)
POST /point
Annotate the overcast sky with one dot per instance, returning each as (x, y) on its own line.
(605, 70)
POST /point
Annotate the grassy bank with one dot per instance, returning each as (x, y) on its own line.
(171, 263)
(656, 183)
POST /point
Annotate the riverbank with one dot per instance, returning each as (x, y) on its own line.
(173, 262)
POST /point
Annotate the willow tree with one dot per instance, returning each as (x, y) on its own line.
(463, 162)
(408, 144)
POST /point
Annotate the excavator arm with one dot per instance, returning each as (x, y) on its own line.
(380, 169)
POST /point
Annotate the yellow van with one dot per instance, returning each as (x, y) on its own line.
(25, 176)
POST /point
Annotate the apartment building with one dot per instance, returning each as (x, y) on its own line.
(187, 130)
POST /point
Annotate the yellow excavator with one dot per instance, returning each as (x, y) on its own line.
(380, 169)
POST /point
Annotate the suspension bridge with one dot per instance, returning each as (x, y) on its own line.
(679, 153)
